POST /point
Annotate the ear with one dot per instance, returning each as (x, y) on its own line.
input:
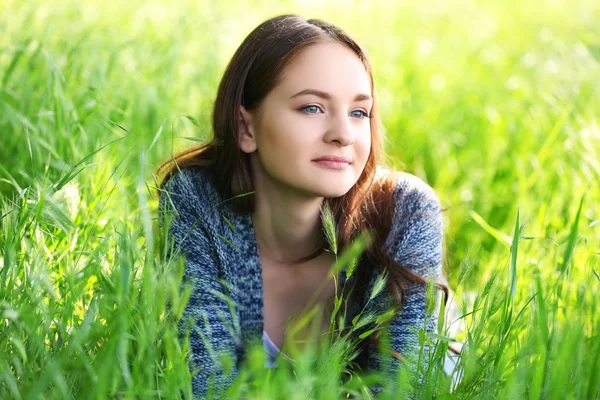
(246, 138)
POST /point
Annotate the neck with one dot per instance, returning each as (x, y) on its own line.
(287, 224)
(287, 233)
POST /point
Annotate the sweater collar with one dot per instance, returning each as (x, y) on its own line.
(248, 279)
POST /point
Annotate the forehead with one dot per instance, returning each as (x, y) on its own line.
(330, 67)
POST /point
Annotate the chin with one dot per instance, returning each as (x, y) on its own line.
(333, 191)
(328, 187)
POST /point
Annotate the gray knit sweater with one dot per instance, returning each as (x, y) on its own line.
(224, 270)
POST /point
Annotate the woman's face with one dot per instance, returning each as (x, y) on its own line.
(319, 108)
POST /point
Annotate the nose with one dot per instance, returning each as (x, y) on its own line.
(340, 130)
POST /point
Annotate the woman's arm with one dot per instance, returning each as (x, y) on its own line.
(211, 334)
(416, 242)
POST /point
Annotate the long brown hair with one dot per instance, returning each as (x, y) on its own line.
(252, 73)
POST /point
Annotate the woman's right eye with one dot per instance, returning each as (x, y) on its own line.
(312, 109)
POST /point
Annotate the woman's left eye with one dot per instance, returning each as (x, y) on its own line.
(359, 114)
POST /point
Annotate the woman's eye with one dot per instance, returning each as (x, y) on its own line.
(311, 109)
(359, 114)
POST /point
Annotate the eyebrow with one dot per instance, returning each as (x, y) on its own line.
(327, 96)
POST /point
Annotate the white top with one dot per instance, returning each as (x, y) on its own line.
(271, 350)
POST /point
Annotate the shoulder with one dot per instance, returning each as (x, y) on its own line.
(416, 234)
(189, 191)
(412, 194)
(190, 182)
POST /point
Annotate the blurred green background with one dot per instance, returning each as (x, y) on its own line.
(494, 103)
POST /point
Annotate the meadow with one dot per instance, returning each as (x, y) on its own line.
(495, 104)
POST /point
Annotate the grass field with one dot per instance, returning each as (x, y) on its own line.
(496, 104)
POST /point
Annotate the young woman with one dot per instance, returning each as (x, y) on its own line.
(296, 128)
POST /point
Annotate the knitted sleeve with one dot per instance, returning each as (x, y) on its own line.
(416, 242)
(207, 309)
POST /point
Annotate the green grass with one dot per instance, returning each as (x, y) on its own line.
(495, 104)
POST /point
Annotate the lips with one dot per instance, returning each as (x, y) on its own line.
(333, 162)
(336, 159)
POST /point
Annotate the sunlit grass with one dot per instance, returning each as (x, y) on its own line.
(494, 104)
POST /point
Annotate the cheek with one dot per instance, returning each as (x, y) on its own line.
(364, 145)
(280, 143)
(287, 134)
